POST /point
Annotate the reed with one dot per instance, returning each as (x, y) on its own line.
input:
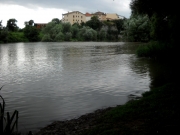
(8, 124)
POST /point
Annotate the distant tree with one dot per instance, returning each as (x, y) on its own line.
(56, 20)
(59, 37)
(11, 25)
(102, 34)
(31, 22)
(94, 23)
(66, 27)
(87, 34)
(137, 28)
(1, 25)
(74, 30)
(31, 33)
(4, 35)
(52, 32)
(165, 22)
(82, 24)
(47, 38)
(119, 24)
(67, 36)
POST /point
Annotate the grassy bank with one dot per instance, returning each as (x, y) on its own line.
(156, 112)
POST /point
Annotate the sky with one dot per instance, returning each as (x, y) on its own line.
(43, 11)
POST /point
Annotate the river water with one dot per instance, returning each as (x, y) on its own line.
(60, 81)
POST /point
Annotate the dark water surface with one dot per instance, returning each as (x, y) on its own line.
(59, 81)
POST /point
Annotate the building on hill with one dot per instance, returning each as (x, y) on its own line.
(78, 17)
(101, 15)
(73, 17)
(112, 16)
(88, 16)
(40, 25)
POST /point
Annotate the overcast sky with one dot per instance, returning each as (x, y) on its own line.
(43, 11)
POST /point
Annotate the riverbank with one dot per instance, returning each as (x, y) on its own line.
(156, 112)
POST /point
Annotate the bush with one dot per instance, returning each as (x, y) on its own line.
(46, 38)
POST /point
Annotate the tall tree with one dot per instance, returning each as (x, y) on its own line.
(31, 22)
(94, 23)
(0, 24)
(164, 16)
(56, 20)
(11, 25)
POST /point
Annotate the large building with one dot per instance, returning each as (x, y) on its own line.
(111, 16)
(88, 16)
(78, 17)
(40, 25)
(101, 15)
(73, 17)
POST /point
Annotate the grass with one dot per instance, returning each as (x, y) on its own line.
(156, 112)
(154, 49)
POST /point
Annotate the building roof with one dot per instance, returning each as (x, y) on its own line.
(88, 14)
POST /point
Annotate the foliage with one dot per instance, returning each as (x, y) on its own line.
(155, 49)
(31, 33)
(1, 25)
(14, 37)
(74, 30)
(164, 22)
(11, 25)
(48, 27)
(87, 34)
(102, 35)
(94, 23)
(47, 38)
(56, 20)
(4, 35)
(119, 24)
(51, 31)
(10, 123)
(66, 27)
(137, 29)
(67, 36)
(29, 23)
(59, 37)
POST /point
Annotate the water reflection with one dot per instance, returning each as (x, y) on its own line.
(57, 81)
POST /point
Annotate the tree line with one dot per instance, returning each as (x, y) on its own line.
(92, 30)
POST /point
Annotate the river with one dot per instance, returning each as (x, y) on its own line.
(59, 81)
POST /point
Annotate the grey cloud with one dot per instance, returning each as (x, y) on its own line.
(74, 5)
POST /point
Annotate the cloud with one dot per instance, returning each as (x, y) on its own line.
(46, 10)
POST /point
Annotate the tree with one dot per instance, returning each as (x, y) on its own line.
(1, 25)
(56, 20)
(74, 30)
(31, 33)
(66, 27)
(94, 23)
(4, 35)
(11, 25)
(165, 22)
(31, 22)
(137, 29)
